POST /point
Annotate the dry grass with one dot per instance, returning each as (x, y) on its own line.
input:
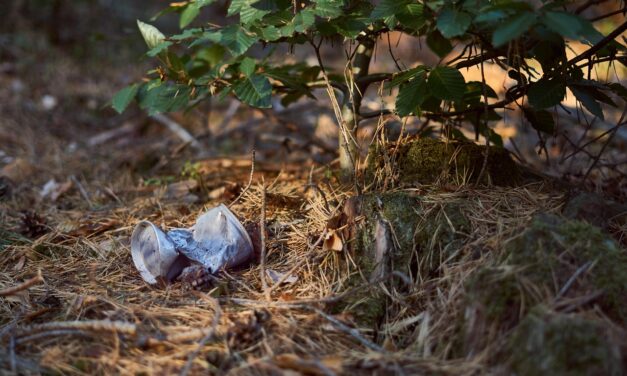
(94, 314)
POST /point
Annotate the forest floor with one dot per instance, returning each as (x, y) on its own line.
(481, 279)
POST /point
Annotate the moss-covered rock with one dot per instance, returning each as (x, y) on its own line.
(427, 161)
(547, 343)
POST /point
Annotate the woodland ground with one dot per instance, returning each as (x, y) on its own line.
(77, 177)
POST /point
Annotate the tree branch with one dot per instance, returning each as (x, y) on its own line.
(600, 44)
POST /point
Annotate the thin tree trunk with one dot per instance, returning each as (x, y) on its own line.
(348, 148)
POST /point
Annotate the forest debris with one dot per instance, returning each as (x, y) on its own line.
(116, 133)
(277, 277)
(18, 171)
(93, 228)
(177, 129)
(49, 102)
(180, 189)
(33, 225)
(330, 365)
(54, 190)
(22, 286)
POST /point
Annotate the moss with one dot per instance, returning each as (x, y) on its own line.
(419, 241)
(547, 343)
(440, 234)
(498, 292)
(552, 249)
(534, 268)
(396, 211)
(426, 160)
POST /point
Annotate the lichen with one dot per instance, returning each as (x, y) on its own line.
(427, 161)
(547, 343)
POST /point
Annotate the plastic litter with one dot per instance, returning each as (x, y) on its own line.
(217, 240)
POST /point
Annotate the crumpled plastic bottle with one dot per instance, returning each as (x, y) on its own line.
(217, 240)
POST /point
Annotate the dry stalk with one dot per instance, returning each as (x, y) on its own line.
(23, 286)
(262, 232)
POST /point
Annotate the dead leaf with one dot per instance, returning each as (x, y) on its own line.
(333, 242)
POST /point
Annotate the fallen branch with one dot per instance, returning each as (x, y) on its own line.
(22, 286)
(177, 129)
(84, 326)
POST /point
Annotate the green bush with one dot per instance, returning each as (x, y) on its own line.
(209, 60)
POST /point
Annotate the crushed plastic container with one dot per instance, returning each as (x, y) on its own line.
(217, 240)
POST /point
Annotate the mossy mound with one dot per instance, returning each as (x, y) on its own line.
(553, 250)
(400, 232)
(610, 216)
(552, 259)
(427, 161)
(547, 343)
(382, 242)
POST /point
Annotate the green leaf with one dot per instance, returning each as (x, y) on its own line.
(124, 97)
(402, 77)
(453, 23)
(540, 120)
(411, 95)
(387, 10)
(474, 89)
(512, 28)
(438, 44)
(190, 13)
(618, 89)
(329, 8)
(255, 90)
(270, 33)
(583, 95)
(159, 48)
(446, 83)
(164, 98)
(412, 16)
(566, 24)
(247, 12)
(304, 20)
(236, 39)
(546, 93)
(152, 36)
(247, 66)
